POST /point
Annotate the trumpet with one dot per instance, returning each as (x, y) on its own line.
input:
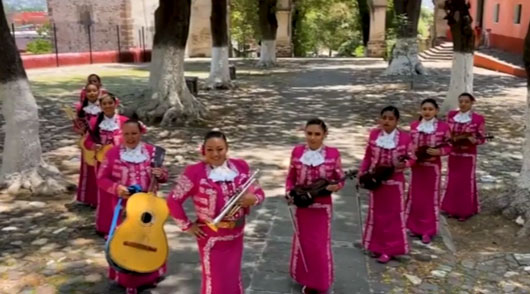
(231, 207)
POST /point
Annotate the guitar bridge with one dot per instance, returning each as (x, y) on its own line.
(139, 246)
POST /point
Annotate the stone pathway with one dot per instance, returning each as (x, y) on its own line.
(51, 248)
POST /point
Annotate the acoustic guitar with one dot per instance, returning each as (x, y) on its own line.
(89, 156)
(139, 244)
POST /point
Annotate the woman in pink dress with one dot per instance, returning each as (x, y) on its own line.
(310, 162)
(210, 183)
(92, 79)
(430, 140)
(468, 130)
(384, 232)
(106, 132)
(87, 191)
(126, 164)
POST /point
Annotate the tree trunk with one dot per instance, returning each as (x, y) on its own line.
(519, 201)
(268, 26)
(364, 17)
(405, 59)
(22, 164)
(460, 21)
(170, 99)
(219, 71)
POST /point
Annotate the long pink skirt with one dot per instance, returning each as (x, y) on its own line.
(221, 254)
(461, 195)
(136, 281)
(105, 211)
(314, 227)
(424, 197)
(384, 231)
(87, 190)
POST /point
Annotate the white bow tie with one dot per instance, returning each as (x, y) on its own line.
(222, 174)
(92, 108)
(386, 141)
(133, 155)
(463, 117)
(312, 157)
(109, 124)
(427, 126)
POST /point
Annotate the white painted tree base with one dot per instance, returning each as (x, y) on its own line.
(22, 164)
(405, 59)
(461, 80)
(169, 99)
(219, 69)
(268, 54)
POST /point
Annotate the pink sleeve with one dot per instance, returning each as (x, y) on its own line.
(338, 172)
(183, 190)
(367, 160)
(481, 136)
(291, 175)
(89, 143)
(105, 181)
(411, 154)
(446, 147)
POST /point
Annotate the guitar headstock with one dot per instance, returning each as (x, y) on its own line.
(351, 173)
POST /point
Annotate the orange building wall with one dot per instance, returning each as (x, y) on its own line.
(505, 34)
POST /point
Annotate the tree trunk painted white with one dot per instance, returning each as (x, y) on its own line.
(268, 54)
(170, 97)
(405, 58)
(22, 164)
(219, 69)
(461, 80)
(524, 177)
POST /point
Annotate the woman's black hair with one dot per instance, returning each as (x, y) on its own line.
(101, 115)
(135, 122)
(93, 75)
(318, 122)
(429, 100)
(81, 113)
(215, 134)
(471, 97)
(392, 109)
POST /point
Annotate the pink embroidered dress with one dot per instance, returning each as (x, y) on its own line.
(123, 166)
(220, 252)
(314, 221)
(384, 230)
(110, 133)
(424, 191)
(461, 194)
(87, 191)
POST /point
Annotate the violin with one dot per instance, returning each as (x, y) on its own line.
(303, 196)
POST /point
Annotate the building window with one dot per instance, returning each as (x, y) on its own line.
(496, 14)
(517, 14)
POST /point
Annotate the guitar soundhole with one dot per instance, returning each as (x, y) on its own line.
(147, 218)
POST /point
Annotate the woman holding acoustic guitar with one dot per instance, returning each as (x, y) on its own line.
(87, 191)
(106, 133)
(388, 153)
(311, 257)
(468, 130)
(431, 140)
(127, 164)
(211, 183)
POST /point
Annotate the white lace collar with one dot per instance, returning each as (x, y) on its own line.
(137, 154)
(109, 124)
(312, 157)
(92, 108)
(222, 173)
(463, 117)
(387, 141)
(427, 126)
